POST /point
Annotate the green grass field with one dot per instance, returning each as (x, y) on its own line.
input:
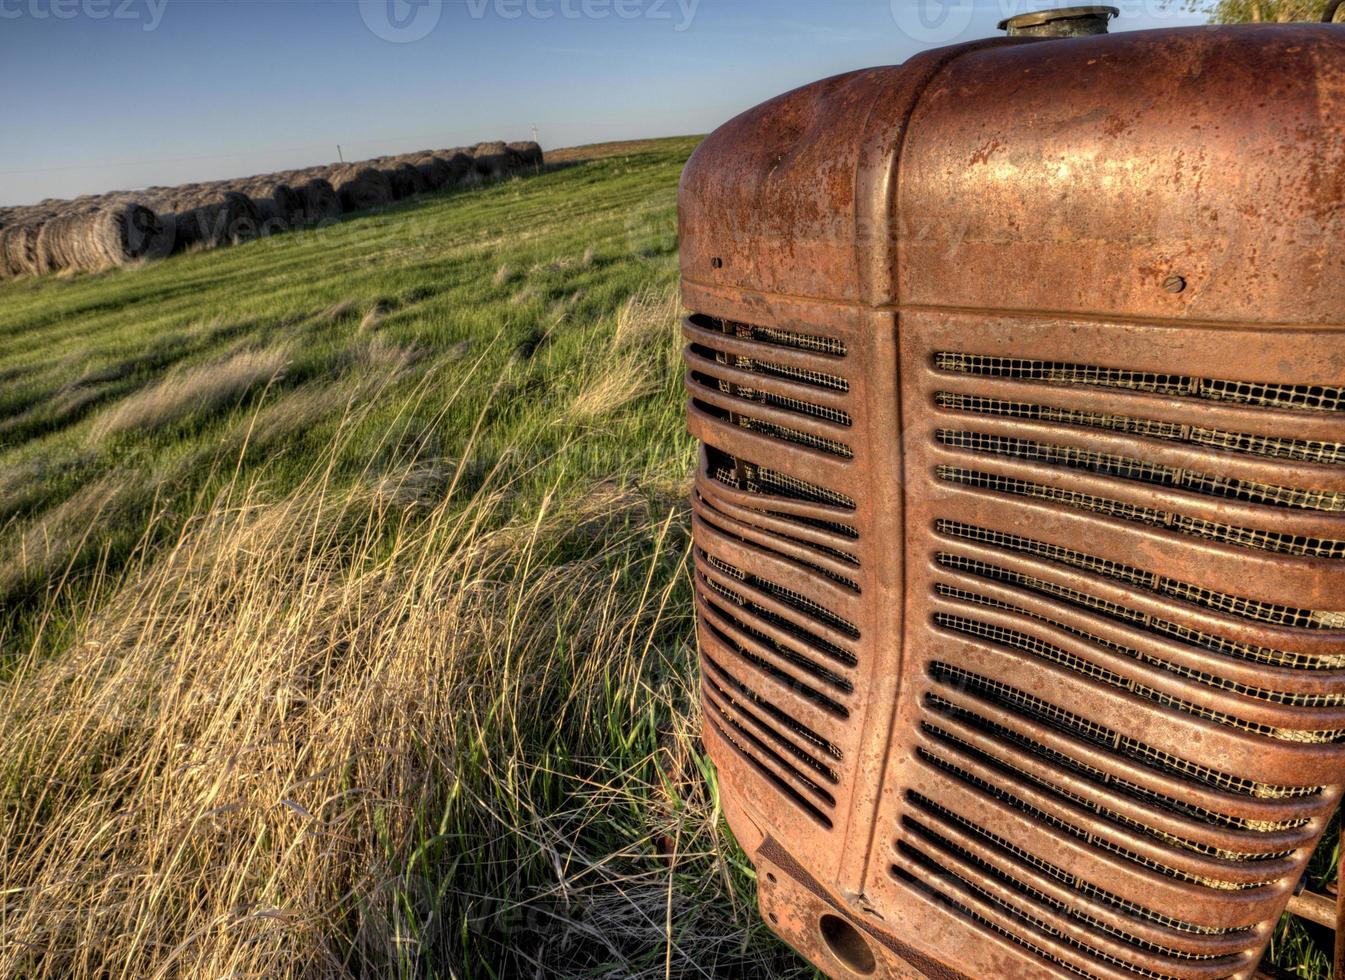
(345, 619)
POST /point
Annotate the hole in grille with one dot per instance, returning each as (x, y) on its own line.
(790, 598)
(1113, 783)
(781, 432)
(709, 512)
(1076, 726)
(828, 677)
(1031, 894)
(731, 478)
(1286, 544)
(1317, 398)
(1022, 919)
(756, 730)
(769, 669)
(741, 741)
(1249, 609)
(772, 399)
(827, 550)
(772, 335)
(730, 688)
(787, 486)
(1038, 815)
(1260, 694)
(747, 477)
(1299, 450)
(787, 372)
(1132, 617)
(1128, 468)
(996, 843)
(1046, 651)
(1019, 776)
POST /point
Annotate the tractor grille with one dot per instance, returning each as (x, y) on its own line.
(779, 573)
(1117, 751)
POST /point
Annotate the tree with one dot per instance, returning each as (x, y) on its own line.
(1265, 11)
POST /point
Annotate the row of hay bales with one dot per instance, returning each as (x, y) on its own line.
(97, 232)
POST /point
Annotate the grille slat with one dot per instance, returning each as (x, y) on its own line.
(1288, 698)
(1132, 750)
(1034, 745)
(751, 750)
(1297, 545)
(800, 648)
(790, 400)
(1037, 769)
(1035, 646)
(1242, 443)
(1045, 908)
(1140, 471)
(1309, 398)
(838, 566)
(1157, 625)
(816, 744)
(989, 841)
(738, 713)
(1020, 799)
(1238, 606)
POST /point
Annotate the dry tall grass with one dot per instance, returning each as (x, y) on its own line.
(203, 388)
(301, 744)
(646, 328)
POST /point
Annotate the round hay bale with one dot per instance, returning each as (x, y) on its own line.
(491, 159)
(213, 219)
(404, 180)
(362, 188)
(460, 165)
(436, 173)
(281, 207)
(321, 201)
(526, 154)
(97, 238)
(19, 248)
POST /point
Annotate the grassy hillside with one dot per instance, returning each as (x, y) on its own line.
(344, 618)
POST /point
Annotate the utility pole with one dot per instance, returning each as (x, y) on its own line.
(338, 153)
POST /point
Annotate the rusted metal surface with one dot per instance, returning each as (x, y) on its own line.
(1020, 572)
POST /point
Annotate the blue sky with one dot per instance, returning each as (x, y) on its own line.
(109, 94)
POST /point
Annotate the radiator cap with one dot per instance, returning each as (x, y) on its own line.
(1061, 22)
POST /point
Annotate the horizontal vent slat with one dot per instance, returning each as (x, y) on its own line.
(1068, 819)
(1313, 398)
(994, 627)
(1137, 470)
(1075, 725)
(1247, 444)
(1145, 927)
(1241, 607)
(1117, 507)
